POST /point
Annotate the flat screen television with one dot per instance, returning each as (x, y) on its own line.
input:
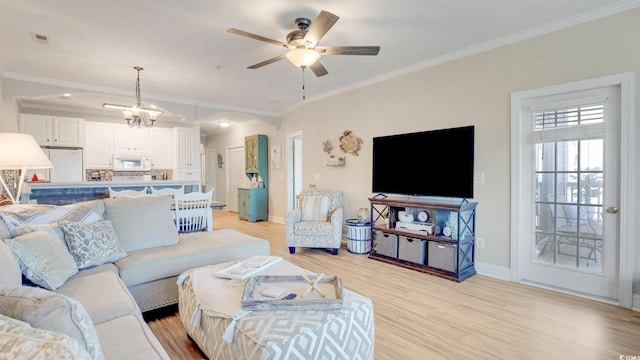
(428, 163)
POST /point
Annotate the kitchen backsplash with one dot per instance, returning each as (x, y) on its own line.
(108, 175)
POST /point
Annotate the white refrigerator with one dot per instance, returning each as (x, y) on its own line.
(67, 165)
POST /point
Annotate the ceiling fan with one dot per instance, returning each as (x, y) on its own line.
(303, 44)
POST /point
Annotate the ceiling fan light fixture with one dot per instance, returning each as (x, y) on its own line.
(302, 57)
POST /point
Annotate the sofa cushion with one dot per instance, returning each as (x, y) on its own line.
(18, 340)
(43, 259)
(314, 208)
(194, 250)
(51, 311)
(92, 244)
(129, 337)
(102, 294)
(142, 222)
(10, 274)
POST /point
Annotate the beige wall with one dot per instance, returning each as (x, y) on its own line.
(8, 111)
(474, 90)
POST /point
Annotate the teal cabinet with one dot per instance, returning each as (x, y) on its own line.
(253, 204)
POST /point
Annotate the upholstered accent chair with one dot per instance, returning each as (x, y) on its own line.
(316, 222)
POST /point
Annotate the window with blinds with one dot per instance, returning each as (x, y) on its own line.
(569, 117)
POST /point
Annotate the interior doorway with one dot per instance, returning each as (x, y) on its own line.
(236, 177)
(210, 171)
(294, 168)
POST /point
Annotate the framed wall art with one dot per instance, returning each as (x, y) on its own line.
(276, 157)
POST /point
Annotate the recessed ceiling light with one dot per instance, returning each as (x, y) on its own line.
(66, 96)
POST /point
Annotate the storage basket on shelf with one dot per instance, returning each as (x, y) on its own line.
(358, 236)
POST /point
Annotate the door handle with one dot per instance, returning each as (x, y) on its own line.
(612, 209)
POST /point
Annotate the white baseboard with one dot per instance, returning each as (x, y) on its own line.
(635, 302)
(494, 271)
(503, 273)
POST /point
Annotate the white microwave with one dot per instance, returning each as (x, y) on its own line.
(131, 163)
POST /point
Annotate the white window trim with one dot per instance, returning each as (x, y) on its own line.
(628, 203)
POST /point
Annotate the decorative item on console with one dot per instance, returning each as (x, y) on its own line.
(363, 215)
(406, 221)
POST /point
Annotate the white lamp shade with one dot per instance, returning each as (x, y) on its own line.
(303, 57)
(21, 150)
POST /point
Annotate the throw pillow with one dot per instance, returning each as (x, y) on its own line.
(22, 214)
(52, 228)
(142, 222)
(92, 244)
(18, 340)
(42, 259)
(4, 230)
(51, 311)
(10, 274)
(314, 208)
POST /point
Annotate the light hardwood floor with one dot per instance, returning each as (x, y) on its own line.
(418, 316)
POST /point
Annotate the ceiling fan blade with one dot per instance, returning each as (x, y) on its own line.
(256, 37)
(267, 62)
(350, 50)
(318, 69)
(320, 26)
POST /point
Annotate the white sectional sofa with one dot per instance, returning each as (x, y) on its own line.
(81, 275)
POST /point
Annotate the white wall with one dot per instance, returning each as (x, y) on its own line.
(470, 91)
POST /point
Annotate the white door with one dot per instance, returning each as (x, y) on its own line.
(294, 168)
(236, 177)
(566, 190)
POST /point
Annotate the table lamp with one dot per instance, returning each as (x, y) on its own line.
(20, 152)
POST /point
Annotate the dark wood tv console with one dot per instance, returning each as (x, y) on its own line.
(439, 241)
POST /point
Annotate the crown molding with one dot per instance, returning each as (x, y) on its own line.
(486, 46)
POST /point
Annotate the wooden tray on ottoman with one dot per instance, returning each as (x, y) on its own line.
(330, 285)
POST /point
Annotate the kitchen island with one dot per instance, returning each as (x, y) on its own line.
(63, 193)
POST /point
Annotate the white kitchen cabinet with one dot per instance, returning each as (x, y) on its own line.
(128, 140)
(188, 148)
(193, 174)
(98, 153)
(161, 148)
(53, 130)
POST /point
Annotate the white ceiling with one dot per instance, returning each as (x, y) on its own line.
(189, 57)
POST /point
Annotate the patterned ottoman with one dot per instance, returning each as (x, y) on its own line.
(347, 333)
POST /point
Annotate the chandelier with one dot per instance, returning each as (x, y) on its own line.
(138, 115)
